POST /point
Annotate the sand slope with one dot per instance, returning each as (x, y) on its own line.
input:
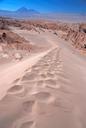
(35, 96)
(14, 71)
(50, 91)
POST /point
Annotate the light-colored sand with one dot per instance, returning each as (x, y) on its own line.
(45, 91)
(15, 71)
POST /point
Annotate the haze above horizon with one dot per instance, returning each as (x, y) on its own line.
(69, 6)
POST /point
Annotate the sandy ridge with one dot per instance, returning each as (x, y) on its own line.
(36, 87)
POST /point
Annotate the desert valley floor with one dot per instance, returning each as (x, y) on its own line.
(47, 88)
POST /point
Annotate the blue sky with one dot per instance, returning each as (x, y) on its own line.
(46, 5)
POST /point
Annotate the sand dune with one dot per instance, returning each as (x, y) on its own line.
(46, 90)
(15, 71)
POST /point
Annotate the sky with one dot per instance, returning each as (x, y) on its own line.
(46, 5)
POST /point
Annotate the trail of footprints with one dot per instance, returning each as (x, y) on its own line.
(38, 84)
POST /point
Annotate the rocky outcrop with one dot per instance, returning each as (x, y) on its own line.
(75, 33)
(10, 40)
(77, 38)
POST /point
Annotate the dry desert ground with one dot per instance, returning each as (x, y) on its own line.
(42, 74)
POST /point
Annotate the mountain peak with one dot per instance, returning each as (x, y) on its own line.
(23, 9)
(26, 10)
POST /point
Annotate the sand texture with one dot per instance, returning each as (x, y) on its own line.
(46, 90)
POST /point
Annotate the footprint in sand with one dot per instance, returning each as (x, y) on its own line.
(29, 76)
(53, 87)
(16, 80)
(43, 75)
(27, 124)
(50, 74)
(44, 97)
(28, 105)
(36, 68)
(40, 83)
(50, 83)
(47, 75)
(16, 89)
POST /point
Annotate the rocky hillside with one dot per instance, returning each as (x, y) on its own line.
(11, 40)
(73, 32)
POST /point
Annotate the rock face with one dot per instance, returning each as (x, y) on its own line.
(73, 32)
(10, 40)
(78, 38)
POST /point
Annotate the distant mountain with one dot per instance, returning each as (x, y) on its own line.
(22, 9)
(25, 13)
(20, 13)
(28, 11)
